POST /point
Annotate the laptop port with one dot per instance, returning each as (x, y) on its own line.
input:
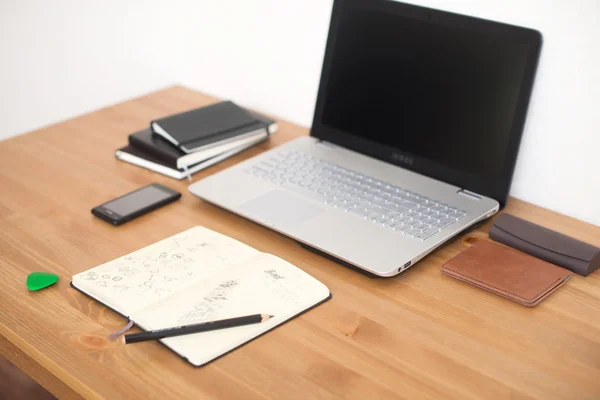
(405, 266)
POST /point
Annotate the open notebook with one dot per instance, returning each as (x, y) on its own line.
(199, 275)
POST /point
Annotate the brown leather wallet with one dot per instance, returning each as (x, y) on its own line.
(507, 272)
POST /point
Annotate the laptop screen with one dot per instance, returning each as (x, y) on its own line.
(431, 88)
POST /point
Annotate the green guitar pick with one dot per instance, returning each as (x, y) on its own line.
(40, 280)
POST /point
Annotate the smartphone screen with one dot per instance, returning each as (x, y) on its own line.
(137, 200)
(136, 203)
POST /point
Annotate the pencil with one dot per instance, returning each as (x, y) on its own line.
(195, 328)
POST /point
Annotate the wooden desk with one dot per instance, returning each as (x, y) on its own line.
(418, 335)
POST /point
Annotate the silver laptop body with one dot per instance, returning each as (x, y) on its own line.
(374, 197)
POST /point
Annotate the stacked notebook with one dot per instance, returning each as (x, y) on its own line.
(199, 276)
(185, 143)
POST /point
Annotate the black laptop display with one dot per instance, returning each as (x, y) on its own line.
(442, 94)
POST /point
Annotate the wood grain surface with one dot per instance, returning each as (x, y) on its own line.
(418, 335)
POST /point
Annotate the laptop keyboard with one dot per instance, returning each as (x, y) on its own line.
(406, 212)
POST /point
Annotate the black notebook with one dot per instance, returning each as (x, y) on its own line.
(161, 149)
(212, 126)
(167, 164)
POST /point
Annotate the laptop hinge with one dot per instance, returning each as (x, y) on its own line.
(469, 194)
(326, 144)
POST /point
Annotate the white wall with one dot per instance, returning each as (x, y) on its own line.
(62, 58)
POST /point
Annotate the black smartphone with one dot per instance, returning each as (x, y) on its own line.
(136, 203)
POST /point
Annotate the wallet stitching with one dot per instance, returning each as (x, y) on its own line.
(542, 247)
(499, 289)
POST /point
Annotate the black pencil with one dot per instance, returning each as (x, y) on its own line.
(196, 328)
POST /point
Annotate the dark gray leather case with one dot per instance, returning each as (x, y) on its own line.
(551, 246)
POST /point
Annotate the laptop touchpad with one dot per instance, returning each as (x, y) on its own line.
(281, 209)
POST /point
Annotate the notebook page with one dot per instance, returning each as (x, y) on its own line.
(264, 284)
(138, 279)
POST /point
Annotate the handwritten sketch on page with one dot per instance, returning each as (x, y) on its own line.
(264, 284)
(146, 275)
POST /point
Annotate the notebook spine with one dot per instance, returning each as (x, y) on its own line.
(152, 150)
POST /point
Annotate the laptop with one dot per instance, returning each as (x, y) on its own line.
(417, 125)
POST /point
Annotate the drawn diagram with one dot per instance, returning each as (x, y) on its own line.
(90, 276)
(208, 307)
(285, 289)
(273, 274)
(168, 265)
